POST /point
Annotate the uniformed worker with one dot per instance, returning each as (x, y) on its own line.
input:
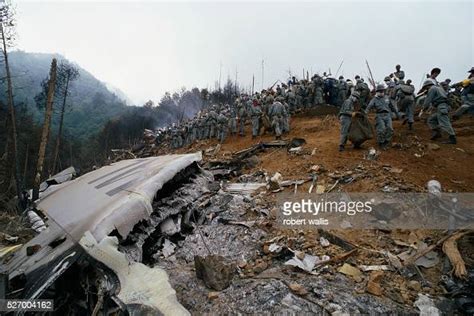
(406, 101)
(345, 116)
(255, 115)
(276, 114)
(436, 98)
(383, 118)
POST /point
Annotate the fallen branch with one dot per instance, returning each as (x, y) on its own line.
(451, 250)
(338, 258)
(423, 252)
(334, 185)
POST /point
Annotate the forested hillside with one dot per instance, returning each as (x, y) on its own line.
(95, 121)
(90, 104)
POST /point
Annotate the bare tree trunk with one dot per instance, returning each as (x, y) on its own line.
(25, 167)
(46, 126)
(61, 120)
(11, 107)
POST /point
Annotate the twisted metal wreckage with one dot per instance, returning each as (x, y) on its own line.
(83, 254)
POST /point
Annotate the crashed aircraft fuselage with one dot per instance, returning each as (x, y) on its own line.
(82, 216)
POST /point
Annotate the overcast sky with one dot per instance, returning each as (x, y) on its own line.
(147, 48)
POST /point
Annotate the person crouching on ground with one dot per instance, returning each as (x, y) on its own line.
(345, 116)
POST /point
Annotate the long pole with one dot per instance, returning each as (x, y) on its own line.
(220, 75)
(253, 83)
(339, 67)
(370, 72)
(263, 72)
(236, 73)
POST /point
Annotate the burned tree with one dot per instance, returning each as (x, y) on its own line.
(46, 127)
(7, 36)
(67, 73)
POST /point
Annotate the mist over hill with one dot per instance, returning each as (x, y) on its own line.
(90, 105)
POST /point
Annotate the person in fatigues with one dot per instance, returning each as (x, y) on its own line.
(345, 116)
(467, 96)
(222, 126)
(383, 118)
(342, 92)
(255, 115)
(242, 115)
(277, 113)
(437, 98)
(406, 100)
(233, 119)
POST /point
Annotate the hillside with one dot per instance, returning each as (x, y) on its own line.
(91, 103)
(416, 158)
(253, 237)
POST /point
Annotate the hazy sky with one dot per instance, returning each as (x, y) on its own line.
(147, 48)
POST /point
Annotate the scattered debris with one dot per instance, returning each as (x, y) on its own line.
(214, 271)
(305, 262)
(324, 242)
(426, 306)
(433, 146)
(382, 267)
(389, 189)
(298, 289)
(213, 295)
(352, 271)
(295, 150)
(274, 248)
(372, 154)
(243, 188)
(37, 224)
(373, 285)
(168, 248)
(296, 142)
(427, 260)
(8, 250)
(274, 183)
(10, 239)
(396, 170)
(345, 224)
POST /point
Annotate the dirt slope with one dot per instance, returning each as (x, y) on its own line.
(452, 165)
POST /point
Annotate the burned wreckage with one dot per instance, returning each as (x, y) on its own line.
(105, 230)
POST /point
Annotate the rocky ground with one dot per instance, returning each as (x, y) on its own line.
(265, 284)
(351, 270)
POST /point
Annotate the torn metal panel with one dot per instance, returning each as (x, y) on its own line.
(117, 196)
(244, 188)
(139, 284)
(61, 177)
(113, 197)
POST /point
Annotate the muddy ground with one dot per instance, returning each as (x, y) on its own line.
(265, 284)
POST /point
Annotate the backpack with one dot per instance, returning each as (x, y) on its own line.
(407, 89)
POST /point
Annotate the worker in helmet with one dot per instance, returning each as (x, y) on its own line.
(437, 98)
(345, 117)
(467, 95)
(383, 118)
(399, 74)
